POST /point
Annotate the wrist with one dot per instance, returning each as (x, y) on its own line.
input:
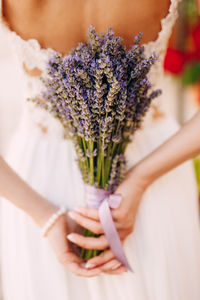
(52, 220)
(43, 211)
(142, 175)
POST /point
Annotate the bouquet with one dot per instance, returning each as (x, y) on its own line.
(100, 93)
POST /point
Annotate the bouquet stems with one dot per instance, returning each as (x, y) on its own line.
(89, 253)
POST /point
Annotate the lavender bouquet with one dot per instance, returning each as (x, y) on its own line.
(100, 93)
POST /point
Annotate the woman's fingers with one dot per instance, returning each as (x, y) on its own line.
(79, 271)
(88, 212)
(94, 226)
(98, 243)
(100, 259)
(73, 264)
(118, 271)
(110, 265)
(106, 262)
(92, 213)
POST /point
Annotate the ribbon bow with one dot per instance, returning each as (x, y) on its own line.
(103, 201)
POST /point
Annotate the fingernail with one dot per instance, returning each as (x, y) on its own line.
(116, 266)
(90, 266)
(71, 214)
(71, 237)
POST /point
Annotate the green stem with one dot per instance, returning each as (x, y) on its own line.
(113, 149)
(102, 167)
(91, 146)
(98, 178)
(85, 151)
(108, 162)
(99, 170)
(84, 145)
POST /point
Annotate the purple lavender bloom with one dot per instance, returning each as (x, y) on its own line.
(100, 93)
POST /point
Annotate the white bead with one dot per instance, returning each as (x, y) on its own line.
(52, 220)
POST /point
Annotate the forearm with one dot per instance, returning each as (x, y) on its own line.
(16, 190)
(185, 144)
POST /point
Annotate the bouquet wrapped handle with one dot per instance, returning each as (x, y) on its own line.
(103, 200)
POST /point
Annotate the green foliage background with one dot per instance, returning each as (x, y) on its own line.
(197, 169)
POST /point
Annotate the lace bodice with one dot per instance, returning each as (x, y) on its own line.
(32, 58)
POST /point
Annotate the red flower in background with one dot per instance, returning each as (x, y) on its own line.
(196, 40)
(186, 63)
(174, 61)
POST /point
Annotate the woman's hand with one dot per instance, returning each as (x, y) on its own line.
(40, 210)
(57, 237)
(131, 189)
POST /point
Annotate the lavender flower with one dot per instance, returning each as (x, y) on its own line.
(100, 93)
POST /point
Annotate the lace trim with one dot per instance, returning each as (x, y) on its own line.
(159, 44)
(166, 26)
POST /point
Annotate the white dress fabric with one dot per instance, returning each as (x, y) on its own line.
(164, 249)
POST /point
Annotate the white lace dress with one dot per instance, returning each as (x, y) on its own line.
(164, 249)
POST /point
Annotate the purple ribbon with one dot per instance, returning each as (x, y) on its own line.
(103, 201)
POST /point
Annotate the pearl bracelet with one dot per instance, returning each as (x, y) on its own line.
(52, 220)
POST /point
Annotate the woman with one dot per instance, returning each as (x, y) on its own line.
(38, 174)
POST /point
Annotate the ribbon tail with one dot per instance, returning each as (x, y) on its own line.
(112, 235)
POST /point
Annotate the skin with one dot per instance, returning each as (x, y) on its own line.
(61, 25)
